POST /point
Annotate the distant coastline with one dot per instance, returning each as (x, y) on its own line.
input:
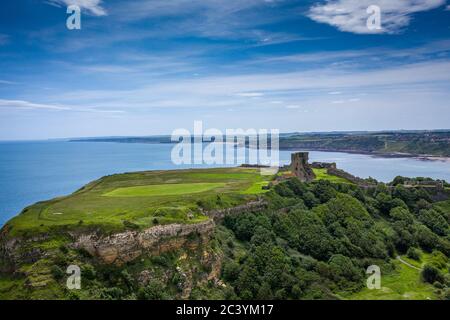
(423, 145)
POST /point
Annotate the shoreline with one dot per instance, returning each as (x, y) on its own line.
(392, 155)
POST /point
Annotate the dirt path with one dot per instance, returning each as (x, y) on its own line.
(408, 264)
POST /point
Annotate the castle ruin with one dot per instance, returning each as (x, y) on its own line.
(300, 166)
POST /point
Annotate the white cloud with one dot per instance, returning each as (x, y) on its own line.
(225, 19)
(351, 15)
(250, 94)
(292, 106)
(94, 7)
(29, 105)
(433, 48)
(21, 104)
(285, 88)
(7, 82)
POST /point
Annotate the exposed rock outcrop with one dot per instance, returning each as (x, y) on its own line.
(16, 250)
(122, 247)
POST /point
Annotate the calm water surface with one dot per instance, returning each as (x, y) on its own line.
(34, 171)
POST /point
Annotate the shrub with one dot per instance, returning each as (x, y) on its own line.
(310, 199)
(130, 225)
(431, 274)
(434, 220)
(63, 249)
(426, 238)
(230, 271)
(153, 291)
(413, 254)
(446, 294)
(57, 272)
(112, 293)
(89, 272)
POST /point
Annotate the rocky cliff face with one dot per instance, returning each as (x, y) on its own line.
(126, 246)
(14, 251)
(121, 247)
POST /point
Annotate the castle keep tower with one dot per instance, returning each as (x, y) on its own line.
(300, 166)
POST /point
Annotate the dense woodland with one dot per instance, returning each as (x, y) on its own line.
(316, 240)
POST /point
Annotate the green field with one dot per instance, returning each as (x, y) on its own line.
(404, 283)
(142, 199)
(321, 174)
(163, 189)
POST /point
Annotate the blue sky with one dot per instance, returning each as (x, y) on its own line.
(142, 67)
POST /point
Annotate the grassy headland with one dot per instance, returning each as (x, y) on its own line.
(309, 241)
(143, 199)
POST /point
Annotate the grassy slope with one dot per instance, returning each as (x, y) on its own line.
(321, 174)
(404, 283)
(170, 196)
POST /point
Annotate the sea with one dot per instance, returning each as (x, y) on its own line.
(33, 171)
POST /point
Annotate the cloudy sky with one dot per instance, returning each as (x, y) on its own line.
(142, 67)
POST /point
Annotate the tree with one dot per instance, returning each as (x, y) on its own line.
(230, 271)
(344, 272)
(402, 214)
(310, 200)
(153, 291)
(261, 236)
(324, 191)
(398, 180)
(57, 272)
(426, 238)
(298, 187)
(384, 203)
(434, 220)
(413, 253)
(431, 274)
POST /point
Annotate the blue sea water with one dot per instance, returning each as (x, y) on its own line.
(35, 171)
